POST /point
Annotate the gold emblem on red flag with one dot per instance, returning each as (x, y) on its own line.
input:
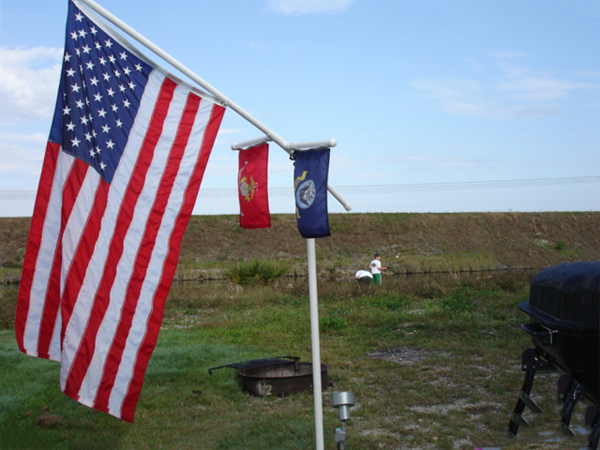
(247, 189)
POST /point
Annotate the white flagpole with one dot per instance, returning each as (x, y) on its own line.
(315, 341)
(289, 148)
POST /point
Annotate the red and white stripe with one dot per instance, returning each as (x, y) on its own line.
(101, 258)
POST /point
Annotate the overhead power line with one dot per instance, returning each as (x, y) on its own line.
(374, 189)
(466, 185)
(16, 194)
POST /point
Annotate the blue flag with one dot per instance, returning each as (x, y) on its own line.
(310, 190)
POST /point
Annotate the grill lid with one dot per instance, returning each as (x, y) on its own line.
(567, 296)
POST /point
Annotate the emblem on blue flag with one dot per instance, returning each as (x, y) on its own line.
(305, 194)
(311, 169)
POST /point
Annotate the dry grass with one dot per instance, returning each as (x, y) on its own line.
(432, 359)
(420, 242)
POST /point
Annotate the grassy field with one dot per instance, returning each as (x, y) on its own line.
(433, 359)
(407, 242)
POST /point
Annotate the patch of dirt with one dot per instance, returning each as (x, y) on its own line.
(458, 405)
(50, 421)
(404, 354)
(379, 432)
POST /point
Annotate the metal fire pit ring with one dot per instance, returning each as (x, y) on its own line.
(280, 376)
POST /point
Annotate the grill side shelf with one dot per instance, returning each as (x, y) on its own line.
(555, 323)
(540, 330)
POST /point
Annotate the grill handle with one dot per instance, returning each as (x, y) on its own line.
(540, 330)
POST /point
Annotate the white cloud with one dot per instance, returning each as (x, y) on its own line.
(21, 159)
(460, 97)
(433, 161)
(28, 83)
(589, 73)
(512, 91)
(542, 89)
(301, 7)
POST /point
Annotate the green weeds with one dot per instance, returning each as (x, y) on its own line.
(461, 300)
(256, 271)
(428, 371)
(433, 359)
(328, 324)
(8, 305)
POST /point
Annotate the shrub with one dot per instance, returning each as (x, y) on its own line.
(332, 323)
(256, 271)
(461, 300)
(8, 305)
(394, 302)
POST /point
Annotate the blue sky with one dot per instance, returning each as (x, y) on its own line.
(420, 95)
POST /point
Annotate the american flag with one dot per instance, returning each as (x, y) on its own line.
(124, 161)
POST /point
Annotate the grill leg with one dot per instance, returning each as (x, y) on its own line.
(531, 363)
(516, 419)
(573, 393)
(592, 419)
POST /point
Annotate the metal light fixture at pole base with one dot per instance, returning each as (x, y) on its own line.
(342, 401)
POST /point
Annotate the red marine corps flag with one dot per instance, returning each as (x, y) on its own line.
(253, 188)
(124, 161)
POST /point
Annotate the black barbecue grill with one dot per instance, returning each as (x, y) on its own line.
(564, 311)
